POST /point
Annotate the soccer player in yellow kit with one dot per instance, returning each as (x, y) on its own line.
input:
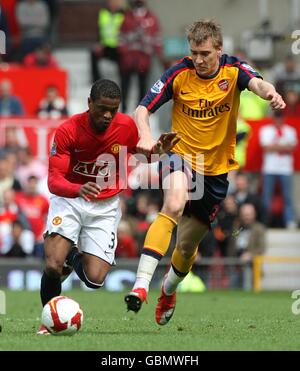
(205, 88)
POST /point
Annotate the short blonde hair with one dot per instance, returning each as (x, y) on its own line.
(202, 30)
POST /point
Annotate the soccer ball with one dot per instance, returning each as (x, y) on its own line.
(62, 316)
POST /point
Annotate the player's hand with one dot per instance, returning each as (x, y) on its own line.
(145, 146)
(89, 190)
(276, 101)
(166, 142)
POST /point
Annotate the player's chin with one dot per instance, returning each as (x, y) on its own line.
(202, 72)
(103, 126)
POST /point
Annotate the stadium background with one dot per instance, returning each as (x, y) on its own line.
(211, 320)
(74, 31)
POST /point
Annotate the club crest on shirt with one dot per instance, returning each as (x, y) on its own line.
(223, 84)
(56, 220)
(53, 149)
(157, 87)
(115, 148)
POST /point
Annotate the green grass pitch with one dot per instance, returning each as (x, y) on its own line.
(214, 320)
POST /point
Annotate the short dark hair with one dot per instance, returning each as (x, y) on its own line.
(105, 88)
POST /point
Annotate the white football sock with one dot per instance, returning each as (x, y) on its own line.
(171, 281)
(145, 271)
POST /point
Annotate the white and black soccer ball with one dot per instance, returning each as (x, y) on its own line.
(62, 316)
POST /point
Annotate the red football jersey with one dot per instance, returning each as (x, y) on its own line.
(79, 155)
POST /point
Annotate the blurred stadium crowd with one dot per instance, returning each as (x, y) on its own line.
(129, 36)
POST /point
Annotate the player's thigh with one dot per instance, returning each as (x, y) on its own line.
(190, 232)
(65, 217)
(175, 186)
(98, 235)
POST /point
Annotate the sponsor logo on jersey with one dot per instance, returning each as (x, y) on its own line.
(53, 149)
(115, 148)
(56, 220)
(205, 113)
(157, 87)
(223, 84)
(94, 169)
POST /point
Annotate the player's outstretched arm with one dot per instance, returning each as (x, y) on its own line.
(266, 91)
(164, 144)
(141, 116)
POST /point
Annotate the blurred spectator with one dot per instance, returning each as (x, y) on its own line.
(127, 217)
(243, 195)
(247, 242)
(52, 105)
(223, 228)
(278, 141)
(29, 165)
(41, 57)
(10, 211)
(35, 208)
(11, 143)
(292, 101)
(19, 243)
(243, 131)
(110, 19)
(252, 107)
(139, 41)
(10, 105)
(127, 246)
(7, 178)
(53, 6)
(4, 26)
(34, 20)
(286, 75)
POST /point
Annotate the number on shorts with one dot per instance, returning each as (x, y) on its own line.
(113, 239)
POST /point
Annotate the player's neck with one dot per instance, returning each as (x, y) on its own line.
(212, 74)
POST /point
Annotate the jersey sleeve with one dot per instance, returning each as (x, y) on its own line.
(162, 91)
(59, 162)
(246, 73)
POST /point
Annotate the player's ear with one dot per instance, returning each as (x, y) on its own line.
(219, 52)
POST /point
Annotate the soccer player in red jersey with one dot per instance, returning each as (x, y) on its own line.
(86, 174)
(205, 89)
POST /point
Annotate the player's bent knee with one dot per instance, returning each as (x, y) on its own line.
(187, 251)
(173, 209)
(93, 282)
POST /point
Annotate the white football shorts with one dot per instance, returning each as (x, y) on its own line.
(92, 226)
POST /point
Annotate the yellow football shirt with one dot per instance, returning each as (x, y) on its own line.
(204, 112)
